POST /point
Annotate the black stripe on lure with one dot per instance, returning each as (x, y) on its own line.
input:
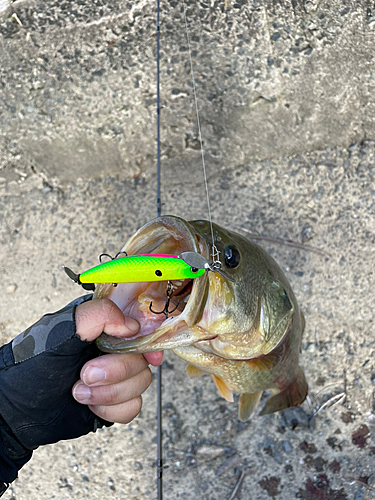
(145, 268)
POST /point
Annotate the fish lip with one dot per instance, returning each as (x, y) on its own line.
(190, 315)
(141, 344)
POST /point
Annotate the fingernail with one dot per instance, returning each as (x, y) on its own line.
(93, 374)
(132, 324)
(81, 393)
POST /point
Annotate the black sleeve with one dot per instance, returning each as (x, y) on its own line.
(37, 372)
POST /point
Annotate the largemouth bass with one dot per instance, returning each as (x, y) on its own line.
(244, 331)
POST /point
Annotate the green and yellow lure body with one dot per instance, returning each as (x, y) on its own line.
(137, 269)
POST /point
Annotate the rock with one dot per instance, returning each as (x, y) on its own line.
(294, 417)
(287, 446)
(227, 464)
(210, 451)
(11, 289)
(360, 436)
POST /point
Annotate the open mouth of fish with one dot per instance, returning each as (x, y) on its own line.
(145, 302)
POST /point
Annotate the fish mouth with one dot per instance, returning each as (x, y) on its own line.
(145, 302)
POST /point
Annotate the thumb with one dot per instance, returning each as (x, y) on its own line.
(102, 315)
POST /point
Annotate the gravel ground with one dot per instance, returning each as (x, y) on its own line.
(325, 198)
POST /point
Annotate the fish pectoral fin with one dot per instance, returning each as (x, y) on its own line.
(193, 371)
(266, 363)
(247, 404)
(293, 395)
(223, 389)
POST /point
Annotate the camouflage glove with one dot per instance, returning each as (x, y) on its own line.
(37, 372)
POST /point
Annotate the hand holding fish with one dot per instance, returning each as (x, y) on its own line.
(39, 367)
(111, 385)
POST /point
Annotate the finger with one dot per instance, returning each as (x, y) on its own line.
(102, 315)
(122, 413)
(112, 368)
(154, 358)
(113, 394)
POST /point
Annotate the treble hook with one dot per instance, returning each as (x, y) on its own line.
(110, 256)
(166, 311)
(119, 253)
(104, 255)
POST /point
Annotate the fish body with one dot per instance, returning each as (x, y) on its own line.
(244, 331)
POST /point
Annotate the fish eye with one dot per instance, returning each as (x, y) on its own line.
(158, 272)
(232, 257)
(194, 269)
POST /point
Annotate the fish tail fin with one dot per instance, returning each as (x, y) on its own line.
(193, 371)
(247, 404)
(293, 395)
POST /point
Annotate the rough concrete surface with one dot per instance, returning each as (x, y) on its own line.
(286, 97)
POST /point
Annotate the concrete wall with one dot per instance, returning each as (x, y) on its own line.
(274, 78)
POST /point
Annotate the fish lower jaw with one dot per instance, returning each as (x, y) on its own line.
(173, 333)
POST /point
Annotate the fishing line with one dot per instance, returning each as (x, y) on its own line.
(158, 198)
(158, 206)
(215, 252)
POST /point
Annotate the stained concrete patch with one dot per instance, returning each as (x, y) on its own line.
(62, 161)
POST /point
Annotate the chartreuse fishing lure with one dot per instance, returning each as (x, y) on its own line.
(136, 269)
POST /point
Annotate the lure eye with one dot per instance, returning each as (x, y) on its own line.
(158, 272)
(194, 269)
(232, 257)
